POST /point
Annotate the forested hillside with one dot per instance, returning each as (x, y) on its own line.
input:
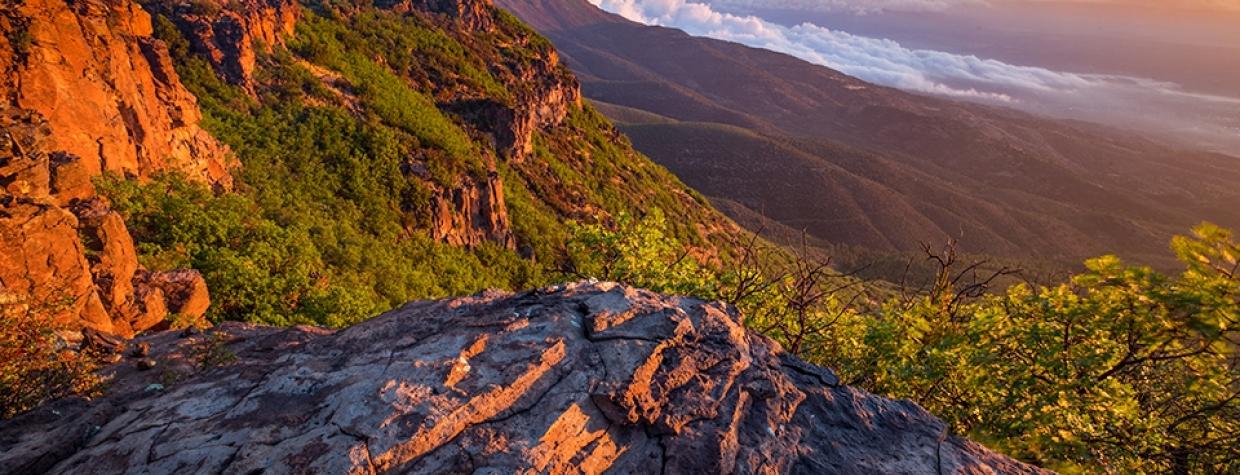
(387, 153)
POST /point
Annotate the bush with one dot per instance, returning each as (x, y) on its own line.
(35, 363)
(638, 252)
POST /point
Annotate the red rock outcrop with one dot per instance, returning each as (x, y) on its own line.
(44, 262)
(544, 93)
(231, 34)
(472, 213)
(583, 378)
(88, 90)
(64, 249)
(107, 89)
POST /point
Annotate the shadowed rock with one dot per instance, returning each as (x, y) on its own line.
(583, 378)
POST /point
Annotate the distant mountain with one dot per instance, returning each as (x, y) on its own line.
(860, 164)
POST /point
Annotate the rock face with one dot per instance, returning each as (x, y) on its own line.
(106, 87)
(544, 90)
(230, 34)
(44, 261)
(65, 250)
(472, 14)
(472, 213)
(583, 378)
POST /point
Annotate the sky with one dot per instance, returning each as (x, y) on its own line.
(933, 5)
(1210, 119)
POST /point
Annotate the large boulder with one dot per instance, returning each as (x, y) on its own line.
(583, 378)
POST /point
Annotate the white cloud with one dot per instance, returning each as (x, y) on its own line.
(852, 6)
(876, 60)
(1156, 106)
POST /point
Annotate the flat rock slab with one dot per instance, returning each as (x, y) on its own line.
(581, 378)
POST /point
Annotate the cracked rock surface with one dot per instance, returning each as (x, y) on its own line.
(582, 378)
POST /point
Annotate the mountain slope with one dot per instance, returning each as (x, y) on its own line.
(445, 134)
(1003, 182)
(317, 161)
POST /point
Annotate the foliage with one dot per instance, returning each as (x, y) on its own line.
(301, 264)
(35, 363)
(388, 96)
(1119, 370)
(638, 252)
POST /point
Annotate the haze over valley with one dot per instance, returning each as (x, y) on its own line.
(1165, 69)
(875, 166)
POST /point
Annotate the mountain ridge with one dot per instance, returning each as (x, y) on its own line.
(1089, 190)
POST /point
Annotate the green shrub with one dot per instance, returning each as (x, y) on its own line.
(1119, 370)
(638, 252)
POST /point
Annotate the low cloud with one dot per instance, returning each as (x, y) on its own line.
(851, 6)
(879, 61)
(1208, 120)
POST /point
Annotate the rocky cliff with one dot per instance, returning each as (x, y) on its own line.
(539, 91)
(107, 88)
(582, 378)
(87, 90)
(66, 253)
(232, 34)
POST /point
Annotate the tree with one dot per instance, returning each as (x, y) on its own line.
(1120, 369)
